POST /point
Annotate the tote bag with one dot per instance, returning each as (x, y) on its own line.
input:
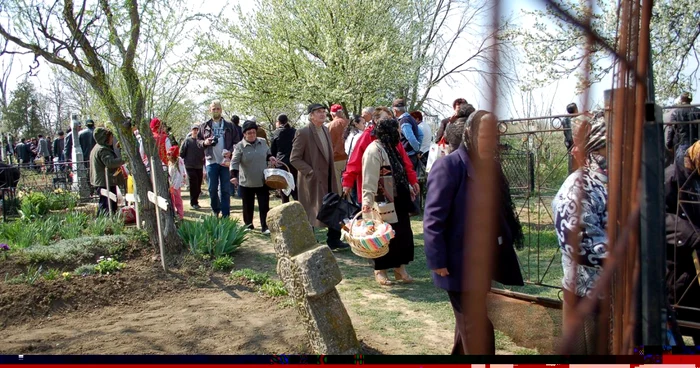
(437, 151)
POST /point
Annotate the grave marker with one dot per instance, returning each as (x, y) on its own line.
(310, 273)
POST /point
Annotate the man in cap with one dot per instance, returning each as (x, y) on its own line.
(336, 129)
(215, 136)
(193, 154)
(312, 156)
(86, 138)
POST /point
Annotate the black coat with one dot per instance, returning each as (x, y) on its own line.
(281, 145)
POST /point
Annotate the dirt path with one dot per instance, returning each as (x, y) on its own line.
(198, 321)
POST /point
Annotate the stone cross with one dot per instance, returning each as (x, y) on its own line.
(310, 273)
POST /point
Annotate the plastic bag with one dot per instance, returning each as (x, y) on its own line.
(437, 151)
(286, 175)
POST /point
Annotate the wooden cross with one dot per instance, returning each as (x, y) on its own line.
(159, 202)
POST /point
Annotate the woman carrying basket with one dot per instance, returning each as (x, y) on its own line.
(382, 162)
(250, 159)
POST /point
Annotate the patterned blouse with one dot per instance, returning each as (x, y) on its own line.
(589, 184)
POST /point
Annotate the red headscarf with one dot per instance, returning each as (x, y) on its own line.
(160, 137)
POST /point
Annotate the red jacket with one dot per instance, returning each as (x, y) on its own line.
(353, 171)
(160, 137)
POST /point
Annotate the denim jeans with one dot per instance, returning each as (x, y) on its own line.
(219, 189)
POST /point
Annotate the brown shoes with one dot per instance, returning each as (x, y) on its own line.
(400, 274)
(382, 278)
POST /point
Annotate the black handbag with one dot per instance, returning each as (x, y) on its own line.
(335, 209)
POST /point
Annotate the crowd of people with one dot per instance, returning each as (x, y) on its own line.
(377, 157)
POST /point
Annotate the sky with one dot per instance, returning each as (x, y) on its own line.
(558, 94)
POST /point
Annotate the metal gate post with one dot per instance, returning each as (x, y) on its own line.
(652, 289)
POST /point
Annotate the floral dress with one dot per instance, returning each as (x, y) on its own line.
(590, 185)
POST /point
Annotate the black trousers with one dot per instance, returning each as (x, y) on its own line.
(103, 204)
(414, 160)
(466, 328)
(248, 197)
(196, 177)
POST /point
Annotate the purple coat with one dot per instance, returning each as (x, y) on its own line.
(445, 220)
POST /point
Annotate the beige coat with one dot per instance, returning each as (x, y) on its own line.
(314, 168)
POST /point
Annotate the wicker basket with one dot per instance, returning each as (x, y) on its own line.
(277, 181)
(369, 246)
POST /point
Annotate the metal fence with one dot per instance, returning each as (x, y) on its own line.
(56, 181)
(683, 218)
(536, 162)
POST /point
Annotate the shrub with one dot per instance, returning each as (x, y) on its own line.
(73, 251)
(86, 269)
(34, 205)
(214, 236)
(105, 266)
(223, 263)
(61, 199)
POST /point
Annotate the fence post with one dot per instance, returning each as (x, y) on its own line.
(652, 313)
(531, 170)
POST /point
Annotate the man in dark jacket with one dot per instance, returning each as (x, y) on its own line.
(683, 134)
(193, 154)
(24, 153)
(281, 148)
(58, 145)
(215, 136)
(68, 144)
(86, 138)
(103, 157)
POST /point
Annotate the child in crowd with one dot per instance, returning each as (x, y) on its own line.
(177, 173)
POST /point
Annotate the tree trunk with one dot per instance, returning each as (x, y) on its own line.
(172, 243)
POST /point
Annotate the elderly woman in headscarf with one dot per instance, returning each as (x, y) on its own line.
(451, 183)
(382, 161)
(580, 211)
(682, 191)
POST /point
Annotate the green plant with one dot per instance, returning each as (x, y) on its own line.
(60, 199)
(223, 263)
(252, 276)
(105, 266)
(34, 205)
(73, 224)
(73, 251)
(67, 276)
(274, 288)
(28, 277)
(86, 269)
(213, 236)
(105, 225)
(52, 274)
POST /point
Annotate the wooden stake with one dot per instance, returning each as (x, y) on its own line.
(155, 199)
